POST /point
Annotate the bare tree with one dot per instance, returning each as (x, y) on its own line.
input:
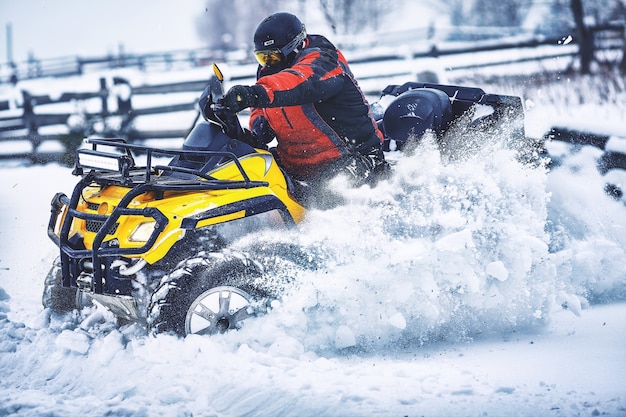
(354, 16)
(503, 13)
(217, 25)
(508, 13)
(622, 12)
(455, 9)
(580, 17)
(585, 37)
(229, 25)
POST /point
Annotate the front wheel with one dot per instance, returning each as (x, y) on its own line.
(58, 298)
(208, 294)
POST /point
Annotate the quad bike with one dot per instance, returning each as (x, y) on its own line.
(151, 242)
(170, 223)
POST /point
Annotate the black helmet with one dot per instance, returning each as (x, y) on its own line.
(276, 37)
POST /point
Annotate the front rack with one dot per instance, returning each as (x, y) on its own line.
(107, 168)
(119, 168)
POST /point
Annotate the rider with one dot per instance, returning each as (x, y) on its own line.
(308, 99)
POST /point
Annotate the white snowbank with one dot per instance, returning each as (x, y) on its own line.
(480, 287)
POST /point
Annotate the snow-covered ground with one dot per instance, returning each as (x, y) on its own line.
(479, 287)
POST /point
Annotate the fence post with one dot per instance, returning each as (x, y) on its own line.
(30, 121)
(622, 65)
(123, 91)
(104, 95)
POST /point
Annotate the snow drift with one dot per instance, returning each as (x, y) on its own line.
(464, 285)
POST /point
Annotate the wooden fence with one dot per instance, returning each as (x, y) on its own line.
(76, 65)
(609, 160)
(30, 122)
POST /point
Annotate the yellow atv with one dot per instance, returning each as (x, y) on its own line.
(151, 242)
(148, 241)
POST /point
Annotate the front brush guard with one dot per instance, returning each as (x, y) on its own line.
(140, 180)
(70, 256)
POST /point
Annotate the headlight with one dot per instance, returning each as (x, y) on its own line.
(90, 159)
(142, 232)
(104, 161)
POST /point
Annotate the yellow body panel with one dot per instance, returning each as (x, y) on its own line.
(178, 205)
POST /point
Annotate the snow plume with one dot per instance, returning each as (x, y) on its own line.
(438, 251)
(588, 229)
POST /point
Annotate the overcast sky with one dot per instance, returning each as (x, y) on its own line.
(57, 28)
(93, 28)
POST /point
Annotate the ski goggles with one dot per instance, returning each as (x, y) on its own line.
(269, 57)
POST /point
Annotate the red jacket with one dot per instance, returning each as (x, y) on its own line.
(317, 110)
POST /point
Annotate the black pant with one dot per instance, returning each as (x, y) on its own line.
(359, 169)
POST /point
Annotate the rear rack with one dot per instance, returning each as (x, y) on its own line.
(462, 98)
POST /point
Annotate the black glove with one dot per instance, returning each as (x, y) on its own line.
(251, 139)
(240, 97)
